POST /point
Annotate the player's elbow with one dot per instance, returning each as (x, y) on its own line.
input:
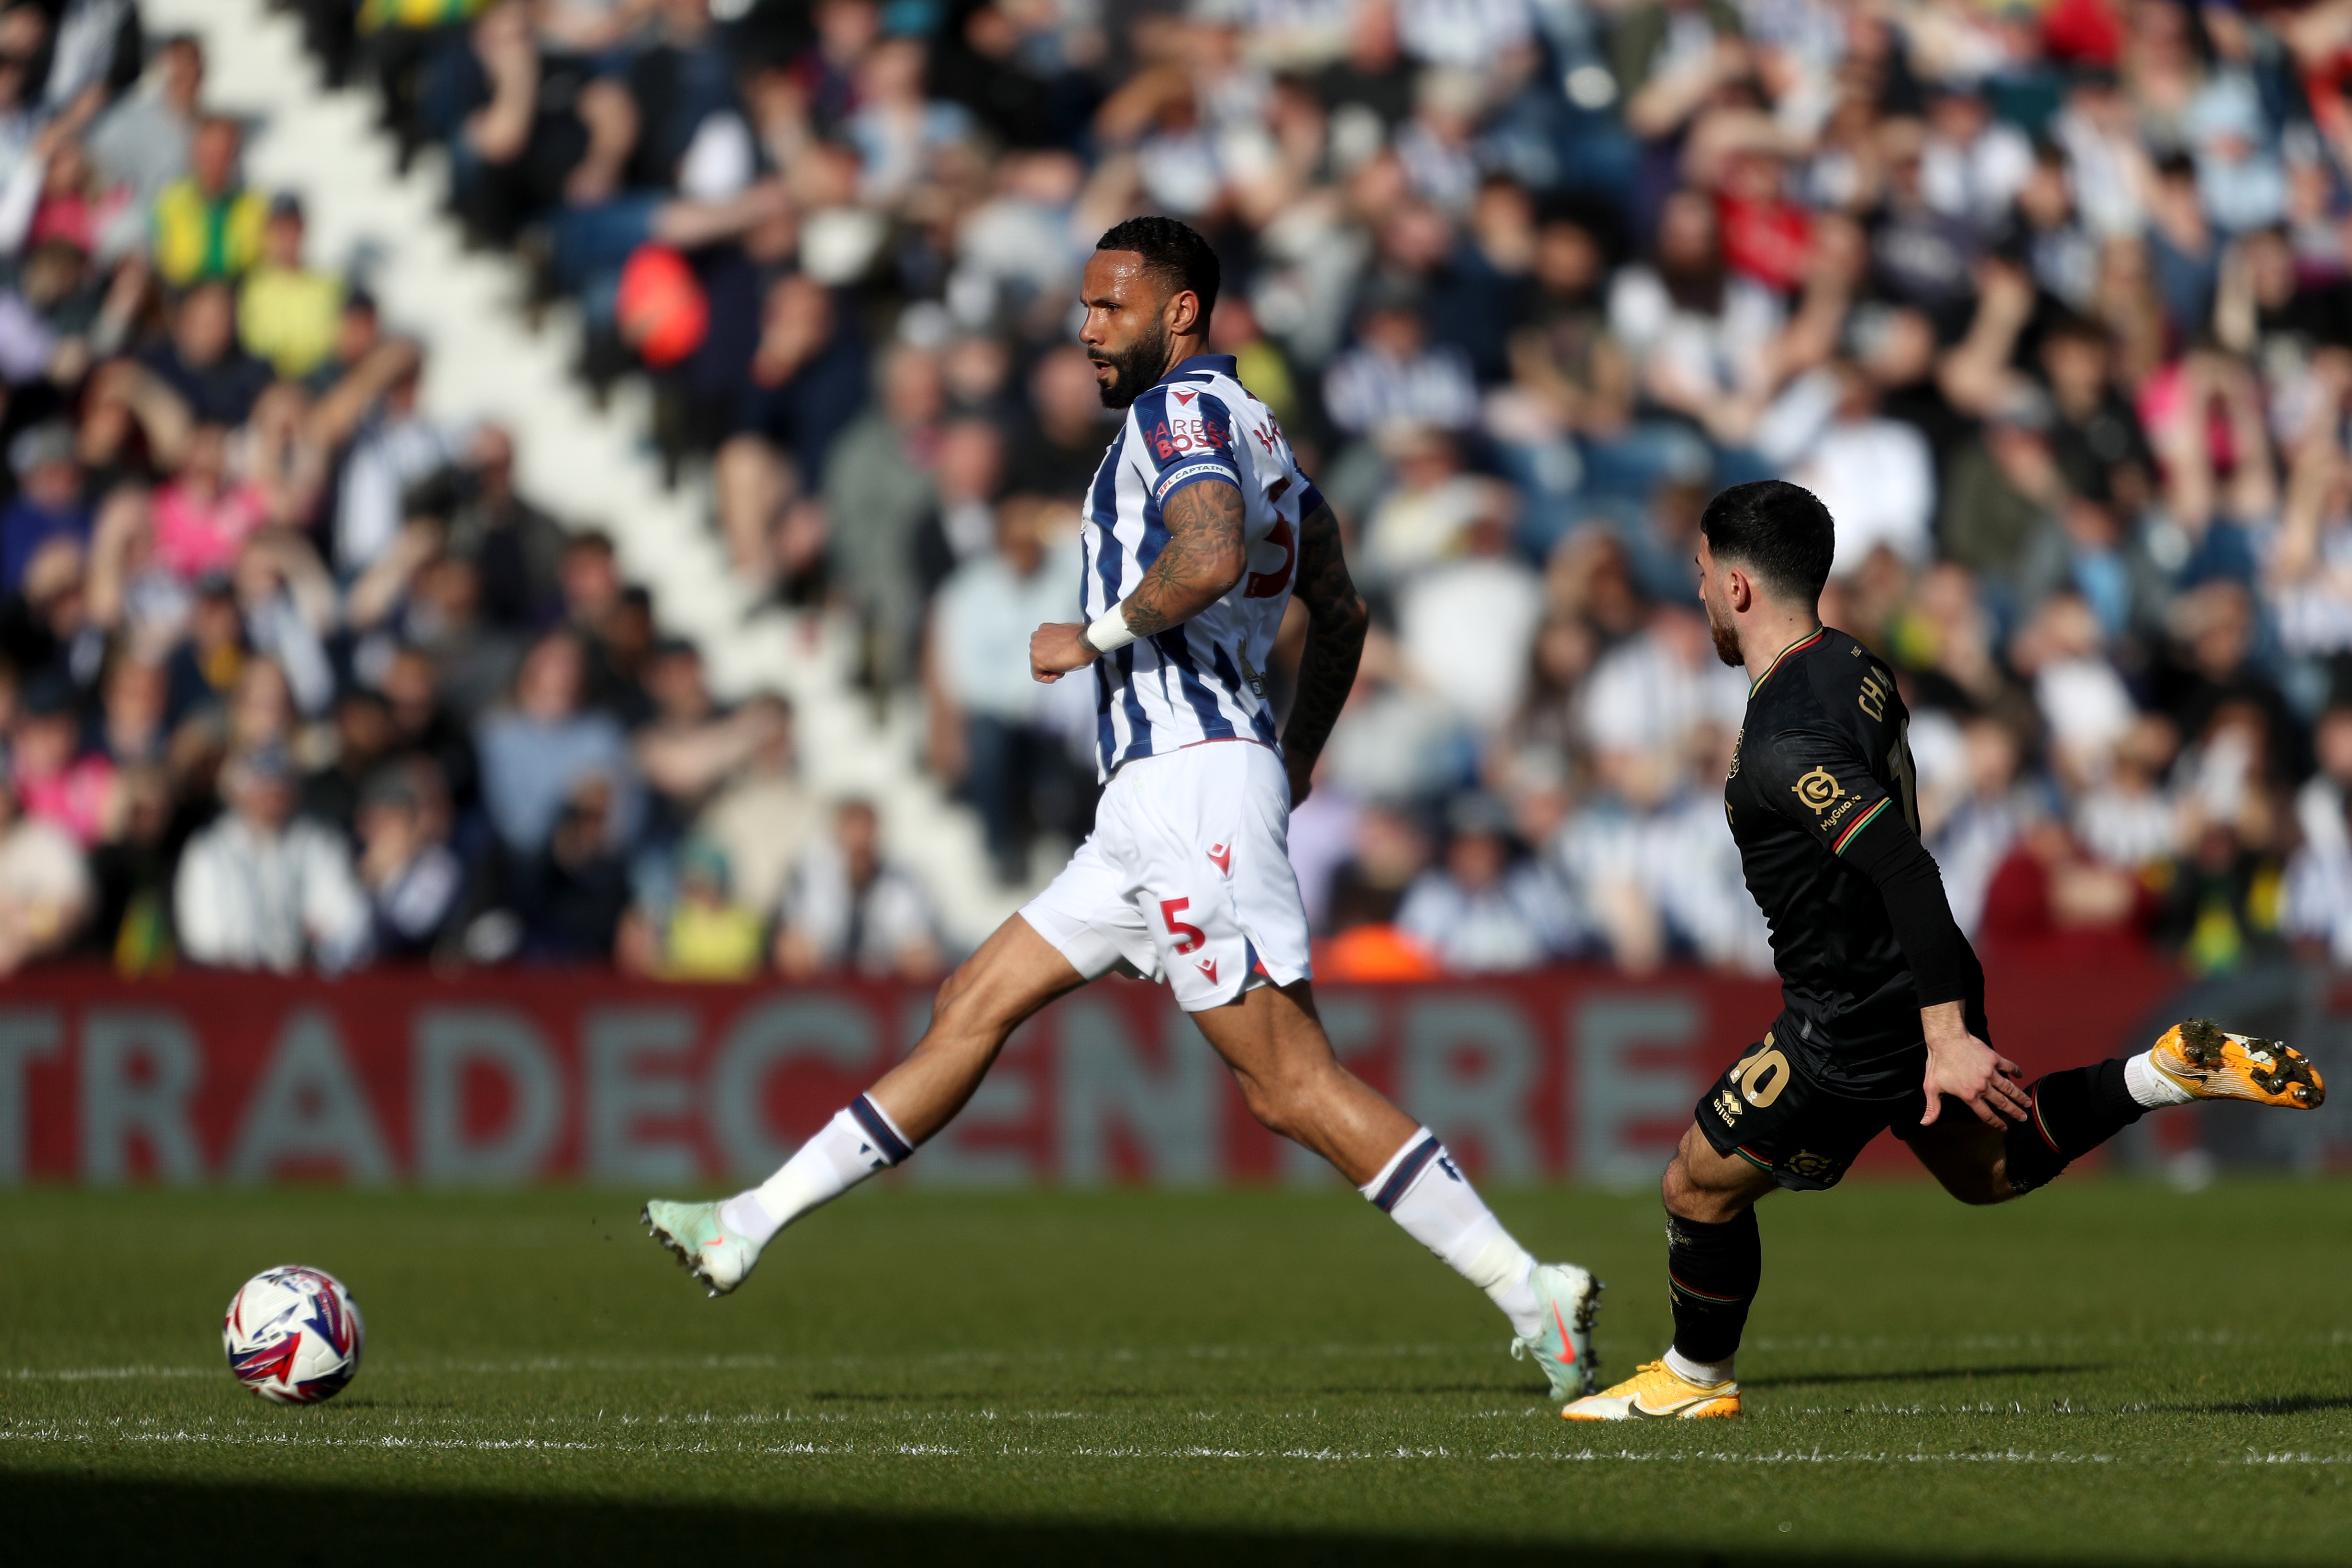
(1344, 615)
(1223, 571)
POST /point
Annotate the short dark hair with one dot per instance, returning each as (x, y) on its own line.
(1779, 531)
(1173, 252)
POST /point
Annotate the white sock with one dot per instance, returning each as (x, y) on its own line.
(2149, 1087)
(859, 1141)
(1421, 1190)
(1698, 1371)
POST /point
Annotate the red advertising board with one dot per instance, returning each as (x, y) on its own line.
(388, 1077)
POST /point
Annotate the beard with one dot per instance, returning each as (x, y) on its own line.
(1727, 639)
(1135, 368)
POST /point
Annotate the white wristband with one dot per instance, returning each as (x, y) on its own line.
(1110, 632)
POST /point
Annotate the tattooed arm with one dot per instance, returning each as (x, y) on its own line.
(1203, 558)
(1335, 619)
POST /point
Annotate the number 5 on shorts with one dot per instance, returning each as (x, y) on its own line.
(1188, 937)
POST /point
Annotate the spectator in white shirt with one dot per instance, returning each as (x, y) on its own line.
(1875, 475)
(259, 890)
(1421, 518)
(2129, 819)
(1698, 331)
(1973, 165)
(1475, 34)
(395, 446)
(1395, 739)
(1650, 691)
(1396, 376)
(537, 749)
(1002, 737)
(849, 912)
(2319, 804)
(1478, 911)
(2307, 577)
(1466, 624)
(764, 813)
(1976, 839)
(142, 139)
(2319, 913)
(415, 883)
(2086, 707)
(1654, 868)
(45, 888)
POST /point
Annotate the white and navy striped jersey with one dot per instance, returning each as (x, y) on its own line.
(1202, 680)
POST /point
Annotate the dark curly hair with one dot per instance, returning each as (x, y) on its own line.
(1173, 252)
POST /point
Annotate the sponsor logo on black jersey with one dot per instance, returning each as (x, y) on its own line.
(1818, 789)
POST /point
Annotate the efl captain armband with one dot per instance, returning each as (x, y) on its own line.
(1109, 633)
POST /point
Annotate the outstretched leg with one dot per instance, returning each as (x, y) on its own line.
(1014, 973)
(1274, 1042)
(2073, 1111)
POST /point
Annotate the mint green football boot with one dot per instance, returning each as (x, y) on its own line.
(1571, 1298)
(713, 1253)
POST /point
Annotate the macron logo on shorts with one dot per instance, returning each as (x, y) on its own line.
(1209, 968)
(1222, 856)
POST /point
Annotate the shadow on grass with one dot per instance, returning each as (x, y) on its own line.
(1932, 1374)
(2292, 1405)
(54, 1518)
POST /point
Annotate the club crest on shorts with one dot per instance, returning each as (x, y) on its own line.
(1220, 855)
(1813, 1167)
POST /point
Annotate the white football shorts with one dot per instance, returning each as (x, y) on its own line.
(1186, 877)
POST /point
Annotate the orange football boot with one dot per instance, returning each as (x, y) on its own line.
(2211, 1064)
(1657, 1392)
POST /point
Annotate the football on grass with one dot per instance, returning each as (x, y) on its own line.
(293, 1335)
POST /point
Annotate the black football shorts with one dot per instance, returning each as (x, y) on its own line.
(1766, 1111)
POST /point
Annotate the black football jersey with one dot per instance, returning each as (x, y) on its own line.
(1822, 753)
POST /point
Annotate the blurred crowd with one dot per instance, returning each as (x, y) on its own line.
(291, 675)
(2051, 304)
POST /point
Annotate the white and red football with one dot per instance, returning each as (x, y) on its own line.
(293, 1335)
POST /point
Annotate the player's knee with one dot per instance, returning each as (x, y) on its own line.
(1683, 1196)
(1290, 1101)
(1687, 1197)
(967, 1010)
(951, 1005)
(1280, 1103)
(949, 989)
(1274, 1115)
(1979, 1185)
(1674, 1185)
(1980, 1189)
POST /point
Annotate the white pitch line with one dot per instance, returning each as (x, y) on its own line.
(108, 1374)
(180, 1437)
(548, 1364)
(1844, 1344)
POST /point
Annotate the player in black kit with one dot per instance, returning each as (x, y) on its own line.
(1882, 1022)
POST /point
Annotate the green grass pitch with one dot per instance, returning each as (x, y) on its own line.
(2109, 1372)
